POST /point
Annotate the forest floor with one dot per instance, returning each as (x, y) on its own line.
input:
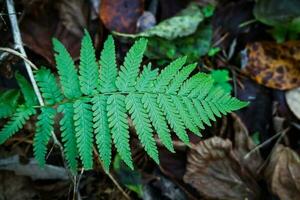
(250, 48)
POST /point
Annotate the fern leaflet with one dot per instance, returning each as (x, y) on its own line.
(117, 119)
(44, 127)
(68, 134)
(48, 86)
(83, 122)
(101, 129)
(142, 124)
(66, 69)
(8, 102)
(16, 122)
(130, 69)
(108, 67)
(88, 68)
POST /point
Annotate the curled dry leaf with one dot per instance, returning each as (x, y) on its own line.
(273, 65)
(121, 15)
(216, 172)
(293, 101)
(243, 148)
(283, 173)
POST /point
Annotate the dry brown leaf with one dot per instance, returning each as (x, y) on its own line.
(293, 101)
(121, 15)
(283, 173)
(72, 16)
(215, 171)
(273, 65)
(243, 144)
(40, 25)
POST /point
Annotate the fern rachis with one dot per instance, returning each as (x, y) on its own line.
(96, 101)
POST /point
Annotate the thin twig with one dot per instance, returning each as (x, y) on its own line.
(111, 177)
(16, 53)
(19, 46)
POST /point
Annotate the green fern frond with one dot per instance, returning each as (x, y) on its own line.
(158, 120)
(190, 84)
(88, 68)
(142, 124)
(180, 78)
(16, 122)
(44, 127)
(146, 78)
(185, 116)
(8, 102)
(68, 134)
(118, 124)
(27, 90)
(48, 86)
(101, 129)
(129, 71)
(98, 102)
(66, 69)
(201, 112)
(193, 112)
(83, 122)
(173, 117)
(108, 67)
(167, 74)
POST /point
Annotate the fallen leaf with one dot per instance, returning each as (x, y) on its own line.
(283, 173)
(243, 148)
(273, 65)
(72, 16)
(40, 25)
(121, 15)
(293, 101)
(215, 171)
(183, 24)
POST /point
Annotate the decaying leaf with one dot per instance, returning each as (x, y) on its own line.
(40, 25)
(273, 65)
(72, 16)
(121, 15)
(283, 173)
(183, 24)
(243, 148)
(216, 172)
(293, 101)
